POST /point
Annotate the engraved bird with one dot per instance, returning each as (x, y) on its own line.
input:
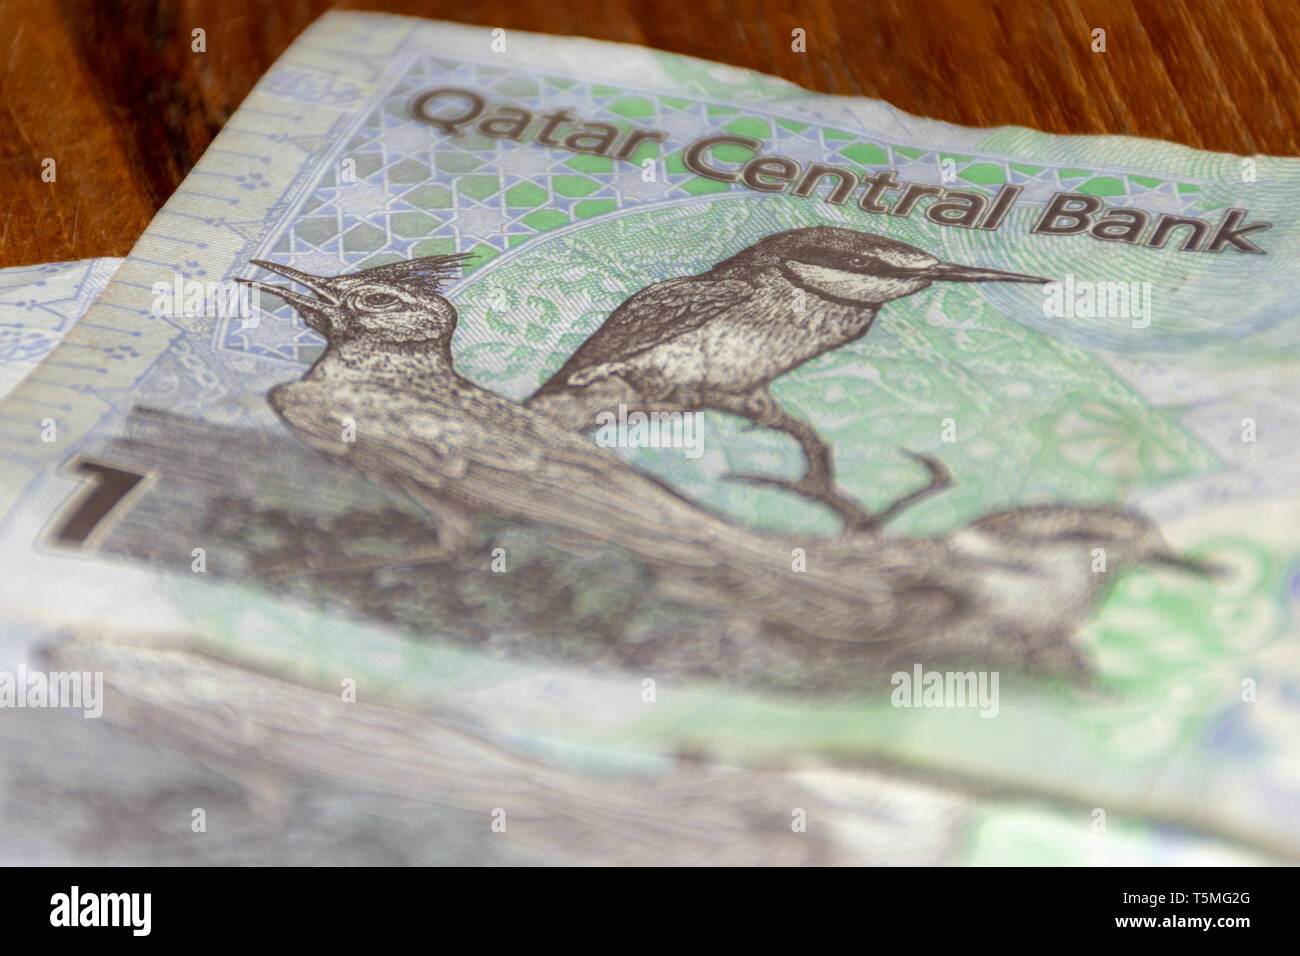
(385, 395)
(1011, 587)
(717, 340)
(450, 444)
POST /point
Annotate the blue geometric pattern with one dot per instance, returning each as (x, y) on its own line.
(38, 304)
(399, 188)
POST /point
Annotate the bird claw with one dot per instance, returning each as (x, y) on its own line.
(855, 519)
(820, 489)
(940, 477)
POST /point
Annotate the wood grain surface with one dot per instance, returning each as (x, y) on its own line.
(113, 93)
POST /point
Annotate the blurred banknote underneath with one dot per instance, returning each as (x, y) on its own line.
(570, 431)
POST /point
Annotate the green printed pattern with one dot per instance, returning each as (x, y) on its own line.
(1033, 418)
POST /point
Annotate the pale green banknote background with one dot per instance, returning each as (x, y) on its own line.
(1186, 737)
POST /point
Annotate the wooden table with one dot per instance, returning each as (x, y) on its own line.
(113, 93)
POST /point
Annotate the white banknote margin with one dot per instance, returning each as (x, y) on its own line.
(39, 304)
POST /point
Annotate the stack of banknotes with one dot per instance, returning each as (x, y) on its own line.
(506, 448)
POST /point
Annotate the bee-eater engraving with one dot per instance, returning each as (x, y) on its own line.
(717, 340)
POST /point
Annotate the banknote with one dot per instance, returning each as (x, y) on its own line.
(618, 405)
(379, 785)
(38, 304)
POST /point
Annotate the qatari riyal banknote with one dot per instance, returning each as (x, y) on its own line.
(617, 406)
(38, 304)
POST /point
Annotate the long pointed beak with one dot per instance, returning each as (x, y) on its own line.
(952, 272)
(296, 299)
(1171, 560)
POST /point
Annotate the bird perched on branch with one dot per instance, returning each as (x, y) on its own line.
(385, 396)
(718, 339)
(444, 440)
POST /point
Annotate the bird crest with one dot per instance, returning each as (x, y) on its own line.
(426, 274)
(399, 301)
